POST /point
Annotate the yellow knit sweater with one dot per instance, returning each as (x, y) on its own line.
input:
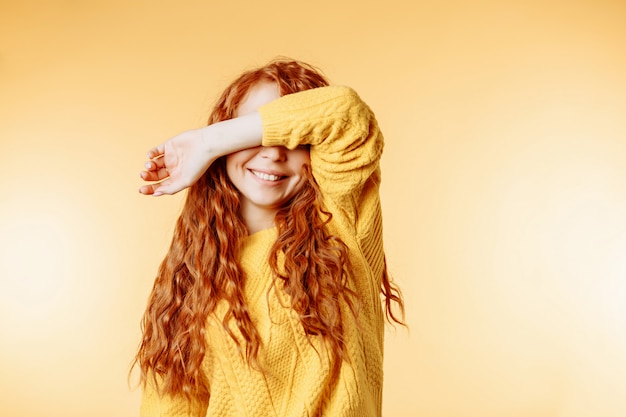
(346, 146)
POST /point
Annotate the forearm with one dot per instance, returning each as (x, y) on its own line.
(233, 135)
(179, 162)
(346, 143)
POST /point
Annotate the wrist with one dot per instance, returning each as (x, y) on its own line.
(208, 146)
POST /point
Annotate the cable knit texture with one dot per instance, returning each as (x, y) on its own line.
(346, 146)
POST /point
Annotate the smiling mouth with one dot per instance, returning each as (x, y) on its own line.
(267, 177)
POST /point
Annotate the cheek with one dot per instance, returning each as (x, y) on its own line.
(235, 161)
(230, 166)
(300, 159)
(300, 156)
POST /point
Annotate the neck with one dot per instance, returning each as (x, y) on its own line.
(257, 218)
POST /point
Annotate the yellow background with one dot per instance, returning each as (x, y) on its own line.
(504, 188)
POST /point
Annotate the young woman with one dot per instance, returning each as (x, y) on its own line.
(271, 298)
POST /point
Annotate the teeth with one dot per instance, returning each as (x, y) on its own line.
(266, 177)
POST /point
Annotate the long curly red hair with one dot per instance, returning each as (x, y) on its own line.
(201, 268)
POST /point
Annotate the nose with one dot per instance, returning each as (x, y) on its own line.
(274, 153)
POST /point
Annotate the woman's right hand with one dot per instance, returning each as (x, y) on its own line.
(179, 162)
(176, 164)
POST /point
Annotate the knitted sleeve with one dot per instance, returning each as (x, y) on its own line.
(346, 143)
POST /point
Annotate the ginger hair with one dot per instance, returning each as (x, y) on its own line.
(201, 269)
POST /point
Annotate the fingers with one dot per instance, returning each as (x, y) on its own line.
(156, 152)
(155, 170)
(155, 164)
(156, 189)
(147, 189)
(152, 175)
